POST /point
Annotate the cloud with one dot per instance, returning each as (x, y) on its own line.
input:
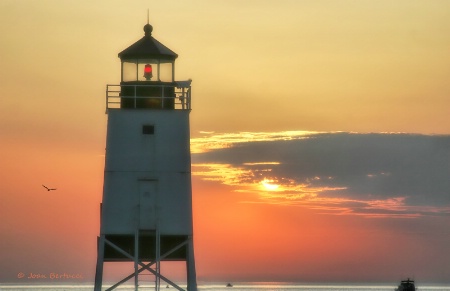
(374, 175)
(212, 141)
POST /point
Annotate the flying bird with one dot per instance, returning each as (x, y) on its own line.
(48, 189)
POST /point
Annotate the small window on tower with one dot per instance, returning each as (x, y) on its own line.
(148, 129)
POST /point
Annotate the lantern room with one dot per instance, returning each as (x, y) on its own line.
(148, 78)
(147, 60)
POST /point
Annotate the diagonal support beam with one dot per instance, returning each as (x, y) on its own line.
(165, 279)
(119, 249)
(145, 266)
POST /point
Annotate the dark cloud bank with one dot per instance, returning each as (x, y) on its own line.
(368, 166)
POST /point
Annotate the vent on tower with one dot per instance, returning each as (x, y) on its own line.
(148, 129)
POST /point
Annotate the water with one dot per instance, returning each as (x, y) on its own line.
(236, 287)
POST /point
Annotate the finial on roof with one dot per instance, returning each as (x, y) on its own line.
(148, 28)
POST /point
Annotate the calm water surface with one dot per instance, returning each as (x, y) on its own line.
(236, 287)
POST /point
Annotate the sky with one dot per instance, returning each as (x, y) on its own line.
(319, 135)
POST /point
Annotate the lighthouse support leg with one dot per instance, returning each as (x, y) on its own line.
(190, 267)
(136, 260)
(99, 267)
(158, 258)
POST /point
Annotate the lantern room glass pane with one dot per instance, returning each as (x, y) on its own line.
(166, 72)
(128, 72)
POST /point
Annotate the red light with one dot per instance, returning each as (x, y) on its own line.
(148, 71)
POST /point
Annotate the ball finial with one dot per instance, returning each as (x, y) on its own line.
(148, 29)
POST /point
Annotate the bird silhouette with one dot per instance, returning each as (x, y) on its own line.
(48, 189)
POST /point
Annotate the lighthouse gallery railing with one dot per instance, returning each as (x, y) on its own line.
(176, 95)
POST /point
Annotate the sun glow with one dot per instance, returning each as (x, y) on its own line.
(268, 185)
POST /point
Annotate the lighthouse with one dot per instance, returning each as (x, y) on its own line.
(146, 209)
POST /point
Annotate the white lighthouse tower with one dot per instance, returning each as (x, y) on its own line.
(146, 212)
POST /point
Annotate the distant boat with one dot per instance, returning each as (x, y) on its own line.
(229, 285)
(406, 285)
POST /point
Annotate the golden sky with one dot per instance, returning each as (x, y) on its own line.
(365, 66)
(262, 71)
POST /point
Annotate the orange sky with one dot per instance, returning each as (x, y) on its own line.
(257, 66)
(323, 221)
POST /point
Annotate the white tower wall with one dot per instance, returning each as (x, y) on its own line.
(147, 175)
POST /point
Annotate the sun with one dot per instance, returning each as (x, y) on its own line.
(268, 184)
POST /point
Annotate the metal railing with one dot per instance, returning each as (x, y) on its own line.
(176, 95)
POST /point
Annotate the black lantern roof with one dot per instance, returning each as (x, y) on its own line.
(147, 48)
